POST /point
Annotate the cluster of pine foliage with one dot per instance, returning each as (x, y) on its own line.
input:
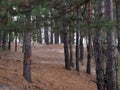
(68, 22)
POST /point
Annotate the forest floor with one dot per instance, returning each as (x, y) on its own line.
(48, 72)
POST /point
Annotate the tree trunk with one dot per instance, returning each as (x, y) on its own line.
(110, 68)
(1, 40)
(118, 36)
(46, 34)
(98, 48)
(38, 27)
(89, 56)
(61, 37)
(81, 48)
(77, 51)
(27, 55)
(89, 46)
(27, 48)
(4, 41)
(66, 51)
(9, 43)
(16, 41)
(118, 22)
(51, 37)
(71, 49)
(23, 46)
(56, 37)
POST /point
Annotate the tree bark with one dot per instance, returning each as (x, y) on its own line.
(4, 40)
(118, 22)
(27, 55)
(71, 49)
(27, 48)
(118, 36)
(110, 68)
(89, 56)
(77, 51)
(16, 41)
(98, 47)
(46, 34)
(56, 37)
(66, 51)
(10, 40)
(89, 46)
(81, 48)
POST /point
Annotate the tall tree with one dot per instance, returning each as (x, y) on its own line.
(77, 43)
(118, 21)
(110, 69)
(65, 38)
(89, 46)
(98, 46)
(27, 45)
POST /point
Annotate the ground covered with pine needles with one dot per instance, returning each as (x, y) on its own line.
(48, 72)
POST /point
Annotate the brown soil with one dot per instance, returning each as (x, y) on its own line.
(48, 72)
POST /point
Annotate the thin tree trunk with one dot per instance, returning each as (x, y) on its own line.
(51, 38)
(46, 34)
(1, 40)
(27, 48)
(9, 43)
(4, 41)
(23, 46)
(38, 27)
(16, 41)
(81, 48)
(56, 37)
(71, 49)
(89, 46)
(61, 37)
(118, 22)
(77, 51)
(89, 56)
(110, 68)
(77, 43)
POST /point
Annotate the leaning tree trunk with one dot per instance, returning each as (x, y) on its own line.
(98, 47)
(110, 68)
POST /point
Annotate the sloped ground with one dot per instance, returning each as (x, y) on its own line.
(48, 71)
